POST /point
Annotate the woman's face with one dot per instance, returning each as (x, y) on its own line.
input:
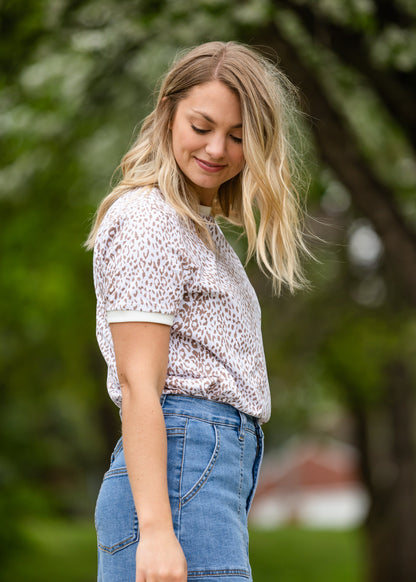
(207, 138)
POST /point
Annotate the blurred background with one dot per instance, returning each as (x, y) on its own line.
(337, 497)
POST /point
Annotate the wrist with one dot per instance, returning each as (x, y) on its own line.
(156, 526)
(155, 517)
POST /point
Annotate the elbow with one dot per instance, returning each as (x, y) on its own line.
(130, 388)
(141, 392)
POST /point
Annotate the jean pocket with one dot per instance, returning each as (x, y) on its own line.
(202, 445)
(115, 514)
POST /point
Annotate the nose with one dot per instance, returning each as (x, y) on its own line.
(216, 146)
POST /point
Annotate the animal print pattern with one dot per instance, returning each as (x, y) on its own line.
(147, 259)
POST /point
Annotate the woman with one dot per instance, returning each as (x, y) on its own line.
(178, 322)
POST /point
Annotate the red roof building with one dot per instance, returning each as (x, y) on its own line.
(311, 483)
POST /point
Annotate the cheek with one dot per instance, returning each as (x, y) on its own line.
(178, 147)
(183, 143)
(239, 160)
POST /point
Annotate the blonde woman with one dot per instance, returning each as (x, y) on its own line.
(178, 322)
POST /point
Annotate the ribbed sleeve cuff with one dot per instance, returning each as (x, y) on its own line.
(122, 316)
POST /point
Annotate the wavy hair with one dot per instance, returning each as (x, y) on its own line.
(262, 198)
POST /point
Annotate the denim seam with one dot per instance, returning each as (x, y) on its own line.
(215, 422)
(115, 472)
(256, 469)
(118, 447)
(227, 572)
(132, 539)
(173, 431)
(204, 477)
(242, 441)
(180, 476)
(120, 545)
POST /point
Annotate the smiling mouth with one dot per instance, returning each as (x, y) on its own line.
(208, 166)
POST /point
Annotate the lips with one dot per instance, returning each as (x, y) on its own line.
(208, 166)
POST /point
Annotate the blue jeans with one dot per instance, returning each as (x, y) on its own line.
(214, 457)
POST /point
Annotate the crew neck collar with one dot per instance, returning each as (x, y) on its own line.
(204, 210)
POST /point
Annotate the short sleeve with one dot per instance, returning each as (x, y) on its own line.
(141, 264)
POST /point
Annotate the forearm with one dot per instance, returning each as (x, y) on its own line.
(145, 451)
(142, 352)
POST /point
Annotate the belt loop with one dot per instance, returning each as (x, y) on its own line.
(243, 422)
(162, 399)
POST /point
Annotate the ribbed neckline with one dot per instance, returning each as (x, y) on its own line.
(205, 210)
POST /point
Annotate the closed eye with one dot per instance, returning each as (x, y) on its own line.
(204, 131)
(199, 130)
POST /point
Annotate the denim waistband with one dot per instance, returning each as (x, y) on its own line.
(208, 410)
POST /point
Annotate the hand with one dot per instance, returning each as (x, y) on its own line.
(160, 558)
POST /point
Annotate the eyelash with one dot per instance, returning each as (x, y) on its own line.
(204, 131)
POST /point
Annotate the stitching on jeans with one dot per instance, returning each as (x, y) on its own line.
(215, 422)
(242, 445)
(181, 474)
(256, 469)
(173, 431)
(206, 573)
(115, 472)
(118, 447)
(119, 546)
(202, 480)
(131, 539)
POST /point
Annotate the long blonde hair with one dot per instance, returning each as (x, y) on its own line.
(262, 198)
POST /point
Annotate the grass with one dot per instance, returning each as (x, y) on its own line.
(299, 555)
(57, 550)
(65, 551)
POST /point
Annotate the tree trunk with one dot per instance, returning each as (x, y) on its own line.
(385, 437)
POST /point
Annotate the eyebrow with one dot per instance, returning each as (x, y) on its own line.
(208, 118)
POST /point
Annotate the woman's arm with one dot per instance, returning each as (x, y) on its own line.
(142, 356)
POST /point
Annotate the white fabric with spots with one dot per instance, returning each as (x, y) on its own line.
(149, 265)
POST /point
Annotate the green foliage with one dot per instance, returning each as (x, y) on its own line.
(360, 349)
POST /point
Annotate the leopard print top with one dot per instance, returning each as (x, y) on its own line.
(149, 265)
